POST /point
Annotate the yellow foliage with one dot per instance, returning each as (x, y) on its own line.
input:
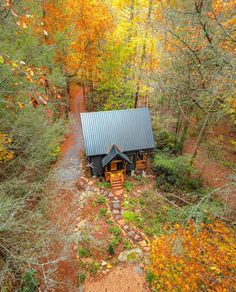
(5, 154)
(191, 260)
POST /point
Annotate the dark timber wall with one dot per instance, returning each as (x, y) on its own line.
(96, 163)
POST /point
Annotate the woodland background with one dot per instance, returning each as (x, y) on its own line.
(177, 57)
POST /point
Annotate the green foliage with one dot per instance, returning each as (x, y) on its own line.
(128, 186)
(127, 244)
(83, 252)
(136, 219)
(115, 230)
(102, 212)
(174, 171)
(166, 142)
(81, 277)
(105, 184)
(93, 268)
(150, 277)
(111, 249)
(101, 200)
(29, 282)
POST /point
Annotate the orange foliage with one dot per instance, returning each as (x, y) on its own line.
(84, 24)
(191, 260)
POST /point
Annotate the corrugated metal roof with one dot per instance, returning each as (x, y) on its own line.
(130, 129)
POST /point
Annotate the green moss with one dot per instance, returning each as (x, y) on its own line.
(132, 256)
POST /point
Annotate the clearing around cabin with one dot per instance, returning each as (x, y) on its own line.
(103, 243)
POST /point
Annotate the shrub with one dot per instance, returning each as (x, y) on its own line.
(188, 259)
(174, 171)
(101, 200)
(133, 218)
(111, 249)
(167, 142)
(115, 230)
(83, 252)
(29, 282)
(128, 186)
(94, 268)
(81, 277)
(127, 244)
(102, 212)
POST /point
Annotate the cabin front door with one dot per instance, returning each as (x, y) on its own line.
(115, 173)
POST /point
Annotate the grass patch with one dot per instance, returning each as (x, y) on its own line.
(102, 212)
(127, 244)
(128, 186)
(81, 277)
(83, 252)
(115, 230)
(101, 200)
(131, 217)
(103, 184)
(93, 268)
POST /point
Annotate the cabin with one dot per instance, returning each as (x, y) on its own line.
(117, 142)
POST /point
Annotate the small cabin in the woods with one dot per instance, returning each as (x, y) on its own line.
(117, 142)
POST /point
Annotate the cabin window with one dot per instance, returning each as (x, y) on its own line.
(119, 165)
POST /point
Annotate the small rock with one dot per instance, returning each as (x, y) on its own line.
(106, 193)
(103, 263)
(147, 248)
(87, 188)
(116, 201)
(116, 206)
(131, 233)
(115, 212)
(95, 189)
(90, 183)
(139, 270)
(117, 217)
(126, 227)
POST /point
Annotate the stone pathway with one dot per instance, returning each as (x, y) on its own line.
(115, 205)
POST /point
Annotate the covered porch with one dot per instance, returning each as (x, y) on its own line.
(114, 164)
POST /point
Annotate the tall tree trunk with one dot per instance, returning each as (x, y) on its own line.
(143, 56)
(202, 131)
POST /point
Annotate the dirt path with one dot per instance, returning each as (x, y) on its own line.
(68, 171)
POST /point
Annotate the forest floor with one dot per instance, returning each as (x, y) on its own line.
(87, 219)
(218, 169)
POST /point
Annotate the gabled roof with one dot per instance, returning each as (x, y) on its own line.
(130, 129)
(114, 152)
